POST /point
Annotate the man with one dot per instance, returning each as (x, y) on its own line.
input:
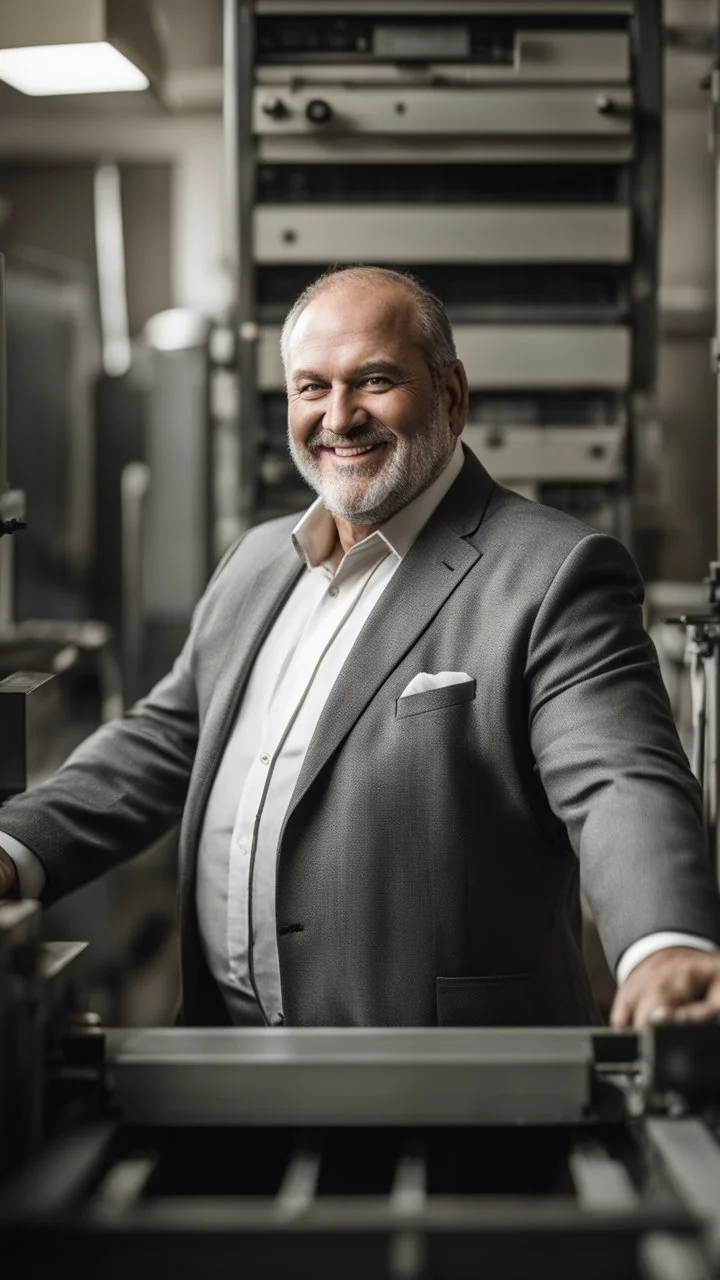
(399, 730)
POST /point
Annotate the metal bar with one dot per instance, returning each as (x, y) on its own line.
(558, 57)
(110, 253)
(691, 1156)
(3, 381)
(239, 55)
(408, 1199)
(135, 484)
(59, 1176)
(531, 357)
(662, 1256)
(495, 112)
(442, 233)
(122, 1187)
(298, 1187)
(314, 1076)
(648, 62)
(409, 1190)
(414, 7)
(602, 1184)
(592, 454)
(487, 1215)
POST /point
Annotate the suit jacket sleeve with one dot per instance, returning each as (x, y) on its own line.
(609, 757)
(123, 787)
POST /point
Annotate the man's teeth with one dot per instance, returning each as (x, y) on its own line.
(350, 452)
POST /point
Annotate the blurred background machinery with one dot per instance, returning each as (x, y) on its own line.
(508, 154)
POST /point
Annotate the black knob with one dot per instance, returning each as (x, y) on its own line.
(318, 111)
(605, 106)
(273, 107)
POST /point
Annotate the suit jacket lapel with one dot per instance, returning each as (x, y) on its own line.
(434, 567)
(258, 605)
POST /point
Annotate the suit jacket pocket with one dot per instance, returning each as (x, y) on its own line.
(495, 1000)
(432, 699)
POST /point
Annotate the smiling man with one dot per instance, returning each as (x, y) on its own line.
(401, 729)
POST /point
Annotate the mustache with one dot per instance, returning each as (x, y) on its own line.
(356, 438)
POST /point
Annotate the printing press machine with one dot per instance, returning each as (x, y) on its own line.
(406, 1153)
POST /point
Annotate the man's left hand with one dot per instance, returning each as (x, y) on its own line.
(676, 984)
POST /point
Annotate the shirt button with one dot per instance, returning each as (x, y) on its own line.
(333, 591)
(277, 1020)
(265, 759)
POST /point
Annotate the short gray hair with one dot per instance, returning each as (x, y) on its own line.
(434, 328)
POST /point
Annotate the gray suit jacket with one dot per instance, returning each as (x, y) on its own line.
(429, 862)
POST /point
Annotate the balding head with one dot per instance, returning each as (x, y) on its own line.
(426, 313)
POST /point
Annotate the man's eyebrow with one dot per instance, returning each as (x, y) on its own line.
(362, 371)
(378, 366)
(307, 375)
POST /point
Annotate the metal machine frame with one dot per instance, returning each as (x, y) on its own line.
(624, 126)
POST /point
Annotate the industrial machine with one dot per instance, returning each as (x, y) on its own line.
(507, 152)
(398, 1153)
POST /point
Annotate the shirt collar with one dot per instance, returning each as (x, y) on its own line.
(314, 534)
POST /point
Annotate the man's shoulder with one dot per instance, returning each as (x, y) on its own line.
(523, 523)
(260, 542)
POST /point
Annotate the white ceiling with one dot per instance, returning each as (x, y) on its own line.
(191, 31)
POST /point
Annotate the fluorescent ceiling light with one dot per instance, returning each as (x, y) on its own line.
(70, 68)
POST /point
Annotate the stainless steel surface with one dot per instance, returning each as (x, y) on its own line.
(663, 1256)
(441, 233)
(354, 1076)
(3, 383)
(691, 1157)
(517, 356)
(602, 1184)
(550, 453)
(29, 707)
(498, 112)
(566, 8)
(555, 56)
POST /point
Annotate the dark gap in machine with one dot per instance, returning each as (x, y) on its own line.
(576, 293)
(488, 184)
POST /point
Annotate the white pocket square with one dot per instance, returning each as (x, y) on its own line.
(422, 682)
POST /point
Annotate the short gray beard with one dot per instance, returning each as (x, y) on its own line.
(415, 463)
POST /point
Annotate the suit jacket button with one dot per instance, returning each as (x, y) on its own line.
(277, 1020)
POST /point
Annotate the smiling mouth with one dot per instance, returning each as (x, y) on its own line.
(352, 451)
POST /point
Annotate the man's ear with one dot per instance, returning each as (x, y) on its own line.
(455, 391)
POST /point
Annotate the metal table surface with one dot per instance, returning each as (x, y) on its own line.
(317, 1076)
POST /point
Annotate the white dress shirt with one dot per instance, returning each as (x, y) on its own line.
(290, 682)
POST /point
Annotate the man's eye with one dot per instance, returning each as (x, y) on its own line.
(310, 386)
(376, 380)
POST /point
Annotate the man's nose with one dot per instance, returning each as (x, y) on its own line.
(343, 411)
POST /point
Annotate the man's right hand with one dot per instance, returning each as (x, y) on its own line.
(8, 875)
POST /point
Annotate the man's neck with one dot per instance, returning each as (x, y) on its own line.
(348, 535)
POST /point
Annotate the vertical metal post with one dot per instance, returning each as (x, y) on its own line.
(7, 565)
(3, 381)
(714, 672)
(238, 66)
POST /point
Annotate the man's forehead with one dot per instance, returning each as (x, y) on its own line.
(343, 319)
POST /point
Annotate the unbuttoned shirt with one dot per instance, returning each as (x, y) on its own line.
(289, 684)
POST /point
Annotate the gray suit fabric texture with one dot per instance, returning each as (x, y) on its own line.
(430, 859)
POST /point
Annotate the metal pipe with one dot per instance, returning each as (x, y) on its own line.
(134, 487)
(3, 381)
(238, 69)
